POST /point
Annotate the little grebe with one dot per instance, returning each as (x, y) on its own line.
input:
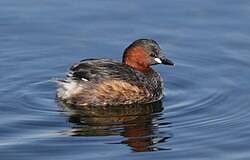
(101, 82)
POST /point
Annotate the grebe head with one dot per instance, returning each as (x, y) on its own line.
(143, 53)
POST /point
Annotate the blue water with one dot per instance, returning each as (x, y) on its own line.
(205, 113)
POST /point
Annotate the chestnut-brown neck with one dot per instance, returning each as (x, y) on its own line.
(136, 57)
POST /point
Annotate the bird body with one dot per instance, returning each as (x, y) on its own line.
(101, 82)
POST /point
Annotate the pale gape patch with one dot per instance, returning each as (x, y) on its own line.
(158, 60)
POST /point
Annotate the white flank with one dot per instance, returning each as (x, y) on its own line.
(67, 89)
(84, 79)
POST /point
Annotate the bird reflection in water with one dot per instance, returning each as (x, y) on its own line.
(137, 123)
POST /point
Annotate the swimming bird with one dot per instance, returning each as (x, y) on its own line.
(103, 82)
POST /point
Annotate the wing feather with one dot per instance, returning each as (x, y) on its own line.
(96, 69)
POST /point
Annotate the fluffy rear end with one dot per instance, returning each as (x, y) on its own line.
(66, 89)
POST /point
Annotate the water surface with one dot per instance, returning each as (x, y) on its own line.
(205, 111)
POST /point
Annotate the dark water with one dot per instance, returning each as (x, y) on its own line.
(204, 115)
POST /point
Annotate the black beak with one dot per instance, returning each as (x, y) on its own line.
(167, 61)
